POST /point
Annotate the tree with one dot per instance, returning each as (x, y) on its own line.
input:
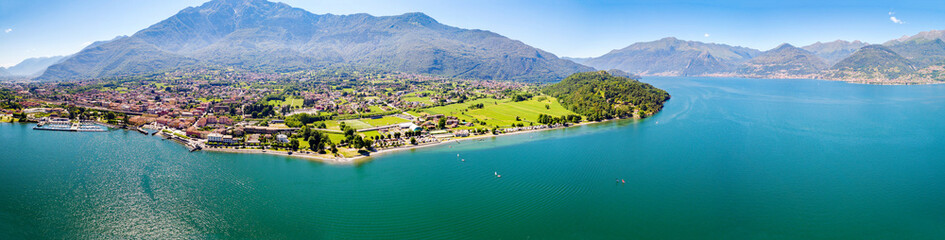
(294, 144)
(334, 149)
(442, 123)
(413, 141)
(357, 142)
(305, 132)
(315, 142)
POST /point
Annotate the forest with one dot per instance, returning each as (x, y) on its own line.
(600, 95)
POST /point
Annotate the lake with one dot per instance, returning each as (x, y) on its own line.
(727, 158)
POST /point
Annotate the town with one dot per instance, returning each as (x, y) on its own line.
(326, 114)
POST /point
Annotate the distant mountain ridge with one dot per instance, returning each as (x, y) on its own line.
(673, 57)
(262, 35)
(784, 61)
(907, 60)
(833, 52)
(33, 66)
(871, 62)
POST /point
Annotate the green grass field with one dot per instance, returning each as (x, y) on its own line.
(370, 134)
(356, 124)
(413, 94)
(416, 99)
(289, 101)
(376, 109)
(502, 112)
(294, 102)
(384, 121)
(363, 122)
(303, 144)
(335, 137)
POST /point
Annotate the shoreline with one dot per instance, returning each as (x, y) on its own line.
(851, 81)
(362, 158)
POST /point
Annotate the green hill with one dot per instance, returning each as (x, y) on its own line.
(873, 62)
(921, 52)
(599, 95)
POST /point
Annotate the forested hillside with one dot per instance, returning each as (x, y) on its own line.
(599, 95)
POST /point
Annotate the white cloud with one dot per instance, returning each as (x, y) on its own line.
(8, 30)
(706, 35)
(893, 18)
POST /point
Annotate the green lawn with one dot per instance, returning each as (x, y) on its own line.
(294, 102)
(376, 109)
(503, 113)
(289, 101)
(335, 137)
(413, 94)
(303, 144)
(370, 134)
(416, 99)
(356, 124)
(362, 123)
(384, 121)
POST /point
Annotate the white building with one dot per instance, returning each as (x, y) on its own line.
(220, 138)
(282, 138)
(215, 137)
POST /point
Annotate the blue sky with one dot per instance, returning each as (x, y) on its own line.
(35, 28)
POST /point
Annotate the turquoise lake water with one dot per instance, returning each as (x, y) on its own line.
(726, 159)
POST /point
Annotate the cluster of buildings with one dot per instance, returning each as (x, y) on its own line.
(209, 104)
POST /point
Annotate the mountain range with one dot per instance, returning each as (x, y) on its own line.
(259, 35)
(31, 67)
(833, 52)
(267, 36)
(673, 57)
(910, 59)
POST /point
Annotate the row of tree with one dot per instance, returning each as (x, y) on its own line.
(548, 119)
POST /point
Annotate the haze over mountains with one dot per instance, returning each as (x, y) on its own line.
(31, 67)
(910, 59)
(833, 52)
(262, 35)
(673, 57)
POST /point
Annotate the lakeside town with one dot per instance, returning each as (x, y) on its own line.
(325, 115)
